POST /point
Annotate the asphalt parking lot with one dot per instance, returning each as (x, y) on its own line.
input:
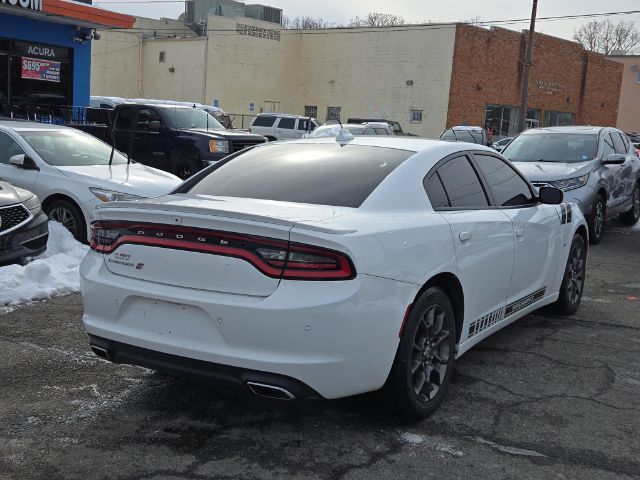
(546, 398)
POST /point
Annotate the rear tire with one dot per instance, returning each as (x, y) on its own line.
(631, 216)
(574, 277)
(597, 219)
(421, 372)
(70, 216)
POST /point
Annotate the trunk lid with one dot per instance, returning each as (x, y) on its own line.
(208, 243)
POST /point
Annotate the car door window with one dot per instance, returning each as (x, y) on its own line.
(435, 192)
(608, 146)
(147, 117)
(462, 184)
(303, 124)
(125, 116)
(619, 143)
(8, 148)
(287, 123)
(382, 131)
(509, 189)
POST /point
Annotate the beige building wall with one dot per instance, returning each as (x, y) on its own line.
(115, 64)
(629, 106)
(377, 73)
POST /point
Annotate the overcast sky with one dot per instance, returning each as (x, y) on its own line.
(341, 11)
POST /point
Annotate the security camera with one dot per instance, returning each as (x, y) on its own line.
(96, 35)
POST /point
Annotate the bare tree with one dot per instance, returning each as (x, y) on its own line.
(304, 23)
(375, 19)
(608, 37)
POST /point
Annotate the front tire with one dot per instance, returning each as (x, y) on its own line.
(421, 371)
(597, 220)
(70, 216)
(631, 216)
(186, 167)
(574, 277)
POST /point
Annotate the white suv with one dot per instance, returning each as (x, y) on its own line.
(278, 126)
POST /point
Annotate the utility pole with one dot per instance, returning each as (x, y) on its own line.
(525, 71)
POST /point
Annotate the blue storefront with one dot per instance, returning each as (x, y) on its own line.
(45, 53)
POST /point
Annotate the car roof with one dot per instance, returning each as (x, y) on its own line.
(567, 129)
(291, 115)
(23, 125)
(466, 127)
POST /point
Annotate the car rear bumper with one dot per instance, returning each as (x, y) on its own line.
(337, 338)
(28, 241)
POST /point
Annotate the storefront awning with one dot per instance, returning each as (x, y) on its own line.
(67, 12)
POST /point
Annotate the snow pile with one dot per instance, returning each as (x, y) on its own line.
(55, 272)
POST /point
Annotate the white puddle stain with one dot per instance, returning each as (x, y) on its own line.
(432, 443)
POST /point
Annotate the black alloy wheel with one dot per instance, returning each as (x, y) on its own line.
(71, 218)
(632, 216)
(574, 278)
(597, 220)
(422, 369)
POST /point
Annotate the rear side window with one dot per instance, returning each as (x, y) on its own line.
(288, 123)
(123, 122)
(322, 174)
(382, 131)
(265, 121)
(509, 189)
(462, 185)
(435, 192)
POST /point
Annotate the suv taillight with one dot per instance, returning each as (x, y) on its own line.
(274, 258)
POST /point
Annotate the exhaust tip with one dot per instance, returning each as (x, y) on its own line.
(270, 391)
(99, 351)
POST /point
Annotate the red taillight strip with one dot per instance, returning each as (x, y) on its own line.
(287, 269)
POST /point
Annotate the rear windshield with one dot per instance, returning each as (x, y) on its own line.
(552, 147)
(471, 136)
(326, 174)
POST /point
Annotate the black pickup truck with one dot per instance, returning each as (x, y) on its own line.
(177, 139)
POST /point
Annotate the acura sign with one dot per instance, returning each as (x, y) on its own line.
(29, 4)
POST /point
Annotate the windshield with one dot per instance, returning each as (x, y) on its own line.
(552, 147)
(320, 174)
(470, 136)
(71, 148)
(189, 118)
(334, 130)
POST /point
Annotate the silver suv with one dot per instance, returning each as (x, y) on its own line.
(595, 166)
(280, 126)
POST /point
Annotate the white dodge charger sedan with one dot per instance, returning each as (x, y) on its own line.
(325, 268)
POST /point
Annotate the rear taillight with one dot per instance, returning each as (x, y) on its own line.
(274, 258)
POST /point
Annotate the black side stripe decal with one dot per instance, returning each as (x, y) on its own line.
(566, 213)
(524, 302)
(497, 316)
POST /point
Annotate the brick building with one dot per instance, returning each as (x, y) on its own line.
(567, 85)
(426, 77)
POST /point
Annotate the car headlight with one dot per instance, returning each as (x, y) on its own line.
(109, 196)
(218, 146)
(33, 204)
(571, 183)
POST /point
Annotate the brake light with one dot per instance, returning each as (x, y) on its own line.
(274, 258)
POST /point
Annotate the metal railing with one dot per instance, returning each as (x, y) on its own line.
(58, 114)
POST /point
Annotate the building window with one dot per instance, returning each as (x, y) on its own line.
(638, 77)
(416, 116)
(162, 57)
(333, 113)
(310, 111)
(501, 120)
(558, 119)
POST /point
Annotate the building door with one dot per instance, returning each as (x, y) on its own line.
(271, 106)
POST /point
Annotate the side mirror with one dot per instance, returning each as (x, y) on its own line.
(550, 195)
(23, 161)
(155, 126)
(614, 159)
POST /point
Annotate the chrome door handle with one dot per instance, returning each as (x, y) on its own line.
(464, 236)
(520, 231)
